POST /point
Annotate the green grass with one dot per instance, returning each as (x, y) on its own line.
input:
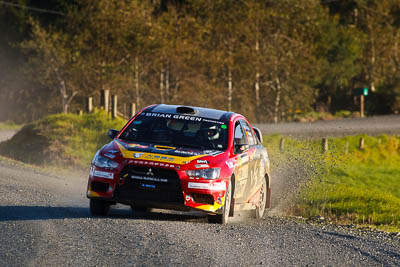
(61, 139)
(360, 186)
(9, 126)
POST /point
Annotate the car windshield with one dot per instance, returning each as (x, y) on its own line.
(177, 130)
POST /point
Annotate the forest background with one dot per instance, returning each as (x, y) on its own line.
(269, 60)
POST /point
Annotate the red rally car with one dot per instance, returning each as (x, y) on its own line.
(182, 158)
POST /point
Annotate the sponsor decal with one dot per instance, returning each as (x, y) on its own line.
(153, 179)
(208, 186)
(213, 152)
(199, 166)
(137, 155)
(230, 164)
(219, 200)
(107, 175)
(188, 197)
(179, 117)
(113, 151)
(201, 161)
(152, 186)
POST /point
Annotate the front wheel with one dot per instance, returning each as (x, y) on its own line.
(223, 217)
(99, 207)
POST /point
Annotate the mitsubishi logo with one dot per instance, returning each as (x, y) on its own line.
(150, 173)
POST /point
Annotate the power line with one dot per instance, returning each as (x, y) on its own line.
(32, 8)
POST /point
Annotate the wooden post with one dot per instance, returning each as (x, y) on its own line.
(80, 112)
(346, 147)
(114, 102)
(324, 144)
(282, 144)
(132, 110)
(361, 143)
(105, 96)
(89, 104)
(362, 106)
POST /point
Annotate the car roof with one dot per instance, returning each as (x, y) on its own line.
(198, 111)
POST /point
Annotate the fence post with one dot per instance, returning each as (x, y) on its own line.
(132, 110)
(80, 112)
(346, 147)
(104, 100)
(361, 143)
(282, 144)
(324, 144)
(114, 102)
(89, 104)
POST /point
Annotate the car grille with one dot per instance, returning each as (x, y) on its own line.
(150, 184)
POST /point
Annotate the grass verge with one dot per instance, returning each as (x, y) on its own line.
(61, 139)
(9, 126)
(348, 185)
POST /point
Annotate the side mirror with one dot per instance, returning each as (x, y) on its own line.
(240, 148)
(259, 134)
(112, 133)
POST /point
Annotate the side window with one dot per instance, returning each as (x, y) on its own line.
(249, 133)
(240, 136)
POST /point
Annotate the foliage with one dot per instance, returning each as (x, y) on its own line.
(259, 58)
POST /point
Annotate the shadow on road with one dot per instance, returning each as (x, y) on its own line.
(21, 213)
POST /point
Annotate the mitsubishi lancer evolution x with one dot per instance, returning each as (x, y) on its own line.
(183, 158)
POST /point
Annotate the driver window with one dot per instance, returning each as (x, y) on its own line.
(240, 137)
(249, 132)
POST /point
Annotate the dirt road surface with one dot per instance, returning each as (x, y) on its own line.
(389, 124)
(44, 221)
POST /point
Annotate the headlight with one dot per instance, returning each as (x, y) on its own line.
(102, 162)
(212, 173)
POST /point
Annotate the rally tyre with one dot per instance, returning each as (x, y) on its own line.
(223, 217)
(262, 202)
(99, 207)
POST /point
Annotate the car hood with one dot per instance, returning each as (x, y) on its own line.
(163, 153)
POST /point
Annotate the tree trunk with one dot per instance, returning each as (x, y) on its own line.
(278, 89)
(372, 54)
(137, 81)
(162, 85)
(257, 84)
(229, 89)
(167, 84)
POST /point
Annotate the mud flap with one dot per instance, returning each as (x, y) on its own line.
(232, 209)
(268, 204)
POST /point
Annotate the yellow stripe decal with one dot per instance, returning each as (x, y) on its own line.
(156, 157)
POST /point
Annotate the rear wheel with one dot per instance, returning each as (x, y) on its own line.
(223, 217)
(99, 207)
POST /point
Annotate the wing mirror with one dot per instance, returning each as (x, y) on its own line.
(240, 148)
(112, 133)
(259, 134)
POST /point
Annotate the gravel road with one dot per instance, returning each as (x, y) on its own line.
(389, 124)
(44, 221)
